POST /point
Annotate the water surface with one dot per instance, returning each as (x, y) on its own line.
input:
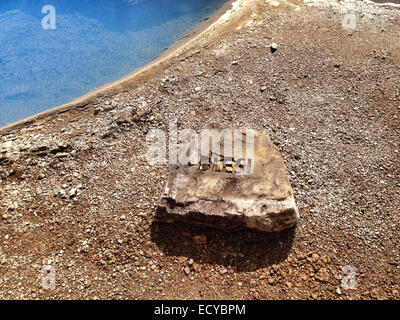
(94, 42)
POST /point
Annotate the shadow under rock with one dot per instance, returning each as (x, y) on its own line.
(243, 250)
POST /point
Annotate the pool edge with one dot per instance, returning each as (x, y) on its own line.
(224, 15)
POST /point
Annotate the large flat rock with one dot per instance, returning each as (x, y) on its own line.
(229, 193)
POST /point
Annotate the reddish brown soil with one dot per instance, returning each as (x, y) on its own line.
(332, 106)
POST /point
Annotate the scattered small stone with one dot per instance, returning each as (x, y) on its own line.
(314, 296)
(274, 47)
(62, 155)
(314, 257)
(186, 270)
(72, 193)
(374, 293)
(322, 275)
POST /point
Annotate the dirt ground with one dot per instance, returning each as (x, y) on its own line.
(77, 194)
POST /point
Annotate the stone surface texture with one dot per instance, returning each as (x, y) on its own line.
(216, 195)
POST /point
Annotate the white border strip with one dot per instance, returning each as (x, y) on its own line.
(386, 4)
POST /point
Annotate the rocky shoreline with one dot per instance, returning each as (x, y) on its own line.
(77, 193)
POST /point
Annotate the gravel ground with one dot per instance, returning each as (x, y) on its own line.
(76, 192)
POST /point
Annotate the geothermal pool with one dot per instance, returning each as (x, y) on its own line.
(52, 52)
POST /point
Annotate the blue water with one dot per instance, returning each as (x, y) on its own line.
(94, 42)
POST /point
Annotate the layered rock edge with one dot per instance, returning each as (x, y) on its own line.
(216, 196)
